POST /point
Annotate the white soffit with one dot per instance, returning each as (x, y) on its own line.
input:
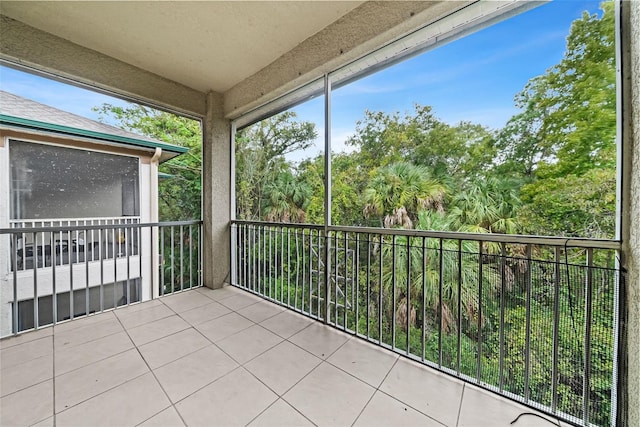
(204, 45)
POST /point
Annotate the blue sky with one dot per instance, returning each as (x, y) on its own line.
(474, 78)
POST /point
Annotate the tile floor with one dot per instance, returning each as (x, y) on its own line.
(226, 358)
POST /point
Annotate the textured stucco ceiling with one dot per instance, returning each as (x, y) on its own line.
(205, 45)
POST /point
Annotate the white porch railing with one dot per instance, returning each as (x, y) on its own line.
(45, 249)
(54, 270)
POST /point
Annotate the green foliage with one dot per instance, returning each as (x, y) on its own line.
(549, 171)
(581, 206)
(267, 187)
(179, 196)
(399, 191)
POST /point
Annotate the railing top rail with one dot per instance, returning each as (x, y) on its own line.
(97, 218)
(278, 224)
(573, 242)
(26, 230)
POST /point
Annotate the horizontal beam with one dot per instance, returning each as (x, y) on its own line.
(365, 29)
(23, 46)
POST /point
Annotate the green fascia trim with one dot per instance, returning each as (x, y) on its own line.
(162, 175)
(37, 125)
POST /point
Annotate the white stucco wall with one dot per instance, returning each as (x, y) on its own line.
(632, 241)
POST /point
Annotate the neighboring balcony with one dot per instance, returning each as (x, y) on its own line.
(90, 265)
(226, 357)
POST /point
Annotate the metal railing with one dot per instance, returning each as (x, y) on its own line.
(45, 249)
(532, 318)
(53, 273)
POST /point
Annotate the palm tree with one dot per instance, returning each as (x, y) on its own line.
(486, 206)
(398, 192)
(459, 270)
(286, 198)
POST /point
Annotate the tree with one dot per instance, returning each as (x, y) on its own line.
(399, 191)
(486, 206)
(179, 196)
(260, 158)
(563, 142)
(286, 198)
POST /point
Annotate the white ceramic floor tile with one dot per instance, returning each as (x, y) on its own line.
(329, 397)
(24, 375)
(480, 407)
(249, 343)
(281, 367)
(158, 329)
(204, 313)
(184, 301)
(221, 293)
(172, 347)
(383, 411)
(81, 322)
(280, 414)
(190, 373)
(287, 323)
(45, 423)
(90, 332)
(233, 400)
(319, 340)
(426, 390)
(28, 406)
(70, 358)
(128, 404)
(167, 418)
(224, 326)
(25, 337)
(84, 383)
(137, 318)
(26, 351)
(124, 310)
(260, 311)
(237, 302)
(363, 360)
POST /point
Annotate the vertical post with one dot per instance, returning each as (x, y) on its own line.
(627, 349)
(408, 295)
(36, 309)
(235, 234)
(173, 258)
(556, 331)
(527, 340)
(181, 258)
(71, 249)
(393, 291)
(54, 295)
(440, 290)
(327, 194)
(216, 193)
(14, 255)
(588, 302)
(459, 314)
(368, 282)
(479, 367)
(503, 289)
(356, 290)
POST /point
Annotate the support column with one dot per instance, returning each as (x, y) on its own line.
(630, 379)
(216, 194)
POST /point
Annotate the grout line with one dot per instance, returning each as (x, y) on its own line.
(464, 387)
(152, 373)
(286, 403)
(365, 406)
